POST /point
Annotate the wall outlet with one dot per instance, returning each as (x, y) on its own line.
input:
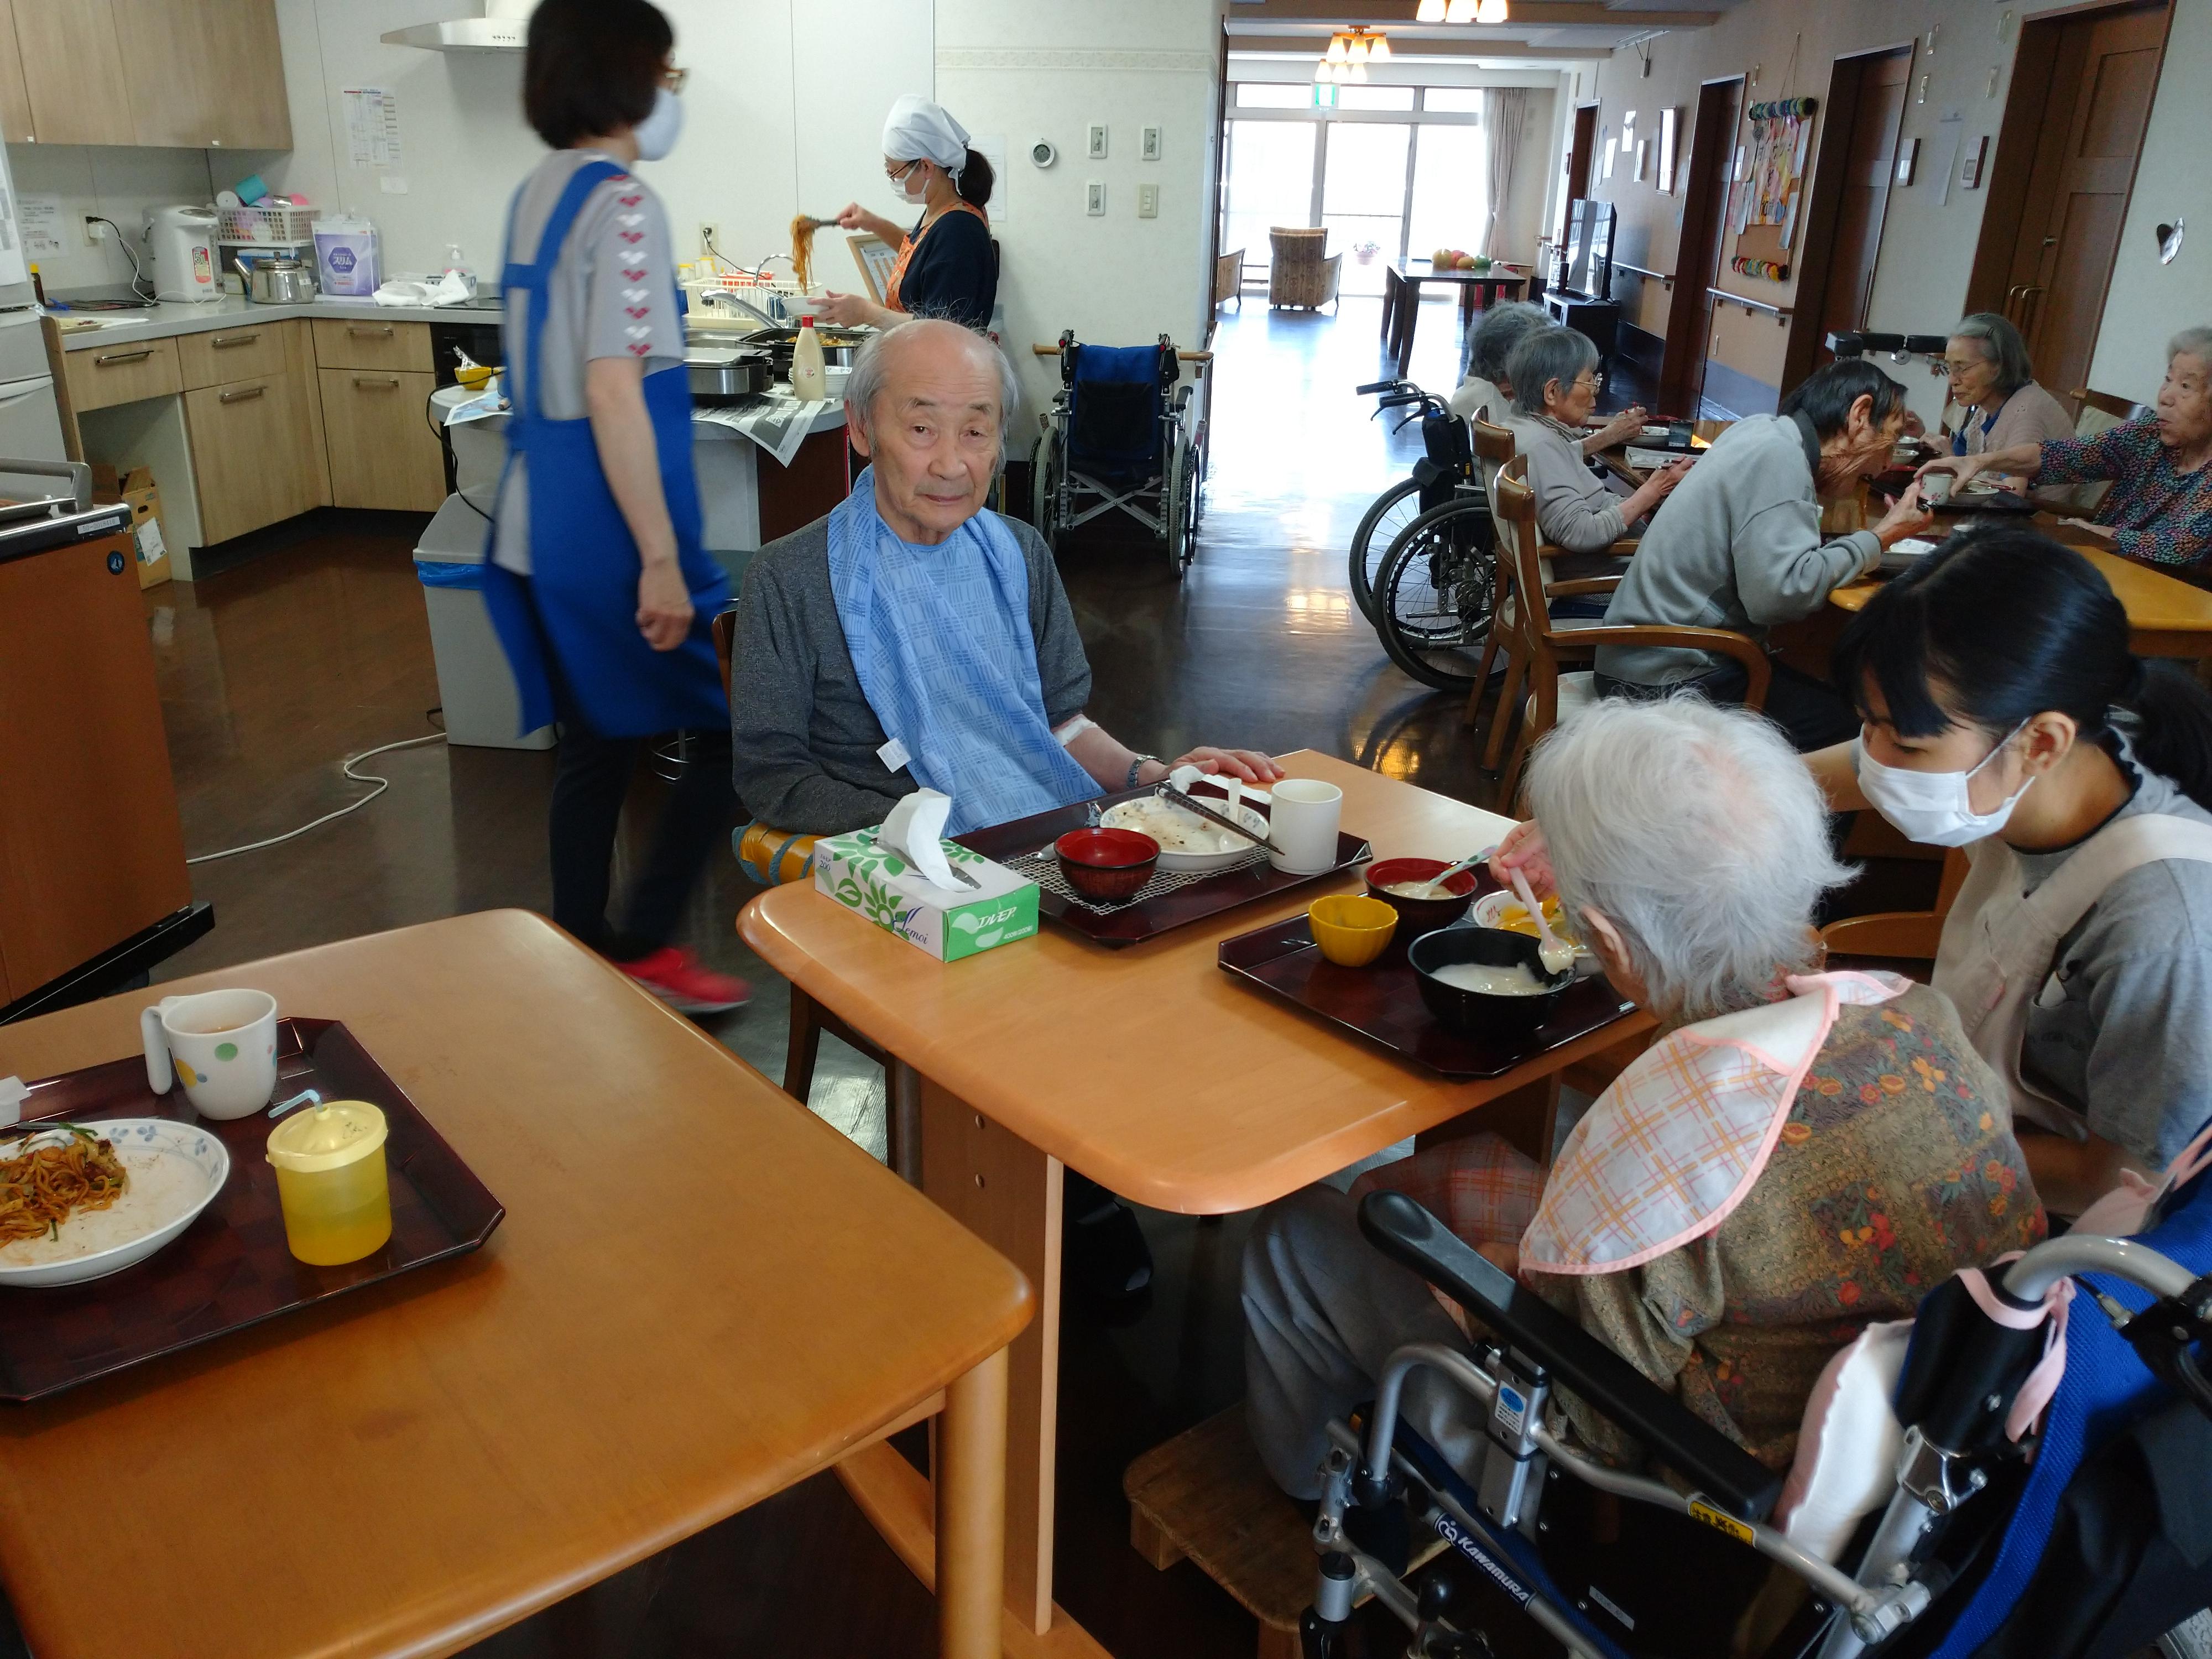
(96, 231)
(1097, 150)
(710, 237)
(1148, 201)
(1094, 201)
(1149, 148)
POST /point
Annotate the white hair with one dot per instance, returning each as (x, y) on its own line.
(1700, 834)
(2191, 343)
(871, 372)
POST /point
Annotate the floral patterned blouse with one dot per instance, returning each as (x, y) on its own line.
(1895, 1168)
(2163, 515)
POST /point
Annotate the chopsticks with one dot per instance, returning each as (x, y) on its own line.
(1168, 792)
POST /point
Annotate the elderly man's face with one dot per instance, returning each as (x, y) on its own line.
(1863, 447)
(935, 437)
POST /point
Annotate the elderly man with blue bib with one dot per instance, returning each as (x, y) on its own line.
(913, 637)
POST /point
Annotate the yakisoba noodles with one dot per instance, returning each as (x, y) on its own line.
(802, 250)
(41, 1188)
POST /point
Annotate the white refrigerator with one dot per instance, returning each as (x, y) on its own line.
(30, 418)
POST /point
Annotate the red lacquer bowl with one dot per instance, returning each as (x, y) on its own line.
(1422, 915)
(1107, 863)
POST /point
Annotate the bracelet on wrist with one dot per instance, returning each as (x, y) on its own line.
(1135, 767)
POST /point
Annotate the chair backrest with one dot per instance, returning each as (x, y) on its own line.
(1228, 275)
(2100, 411)
(1493, 447)
(1513, 516)
(725, 626)
(1115, 402)
(1298, 246)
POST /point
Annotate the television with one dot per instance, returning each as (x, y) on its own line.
(1586, 261)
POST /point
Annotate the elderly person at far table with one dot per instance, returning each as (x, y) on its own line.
(1993, 384)
(1738, 546)
(1554, 376)
(1489, 388)
(912, 636)
(1804, 1152)
(2159, 510)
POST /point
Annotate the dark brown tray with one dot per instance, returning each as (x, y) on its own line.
(1148, 918)
(1383, 1002)
(230, 1268)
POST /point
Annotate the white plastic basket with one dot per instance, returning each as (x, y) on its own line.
(286, 224)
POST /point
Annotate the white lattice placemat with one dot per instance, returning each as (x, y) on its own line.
(1042, 867)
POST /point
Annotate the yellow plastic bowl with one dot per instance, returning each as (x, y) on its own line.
(1351, 928)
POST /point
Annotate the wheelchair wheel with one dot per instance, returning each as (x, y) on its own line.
(1433, 594)
(1044, 489)
(1179, 509)
(1393, 510)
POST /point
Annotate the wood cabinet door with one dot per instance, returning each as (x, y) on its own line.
(204, 74)
(383, 452)
(73, 68)
(15, 126)
(344, 344)
(100, 377)
(249, 455)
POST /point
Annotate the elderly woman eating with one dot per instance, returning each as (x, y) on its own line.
(2159, 510)
(1488, 389)
(1803, 1152)
(1993, 384)
(1554, 372)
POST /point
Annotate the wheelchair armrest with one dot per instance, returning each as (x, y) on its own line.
(1728, 1476)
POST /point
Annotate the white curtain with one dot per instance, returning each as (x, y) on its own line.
(1504, 112)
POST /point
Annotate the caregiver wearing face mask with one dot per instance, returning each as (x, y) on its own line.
(595, 579)
(946, 266)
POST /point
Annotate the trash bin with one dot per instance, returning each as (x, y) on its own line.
(483, 707)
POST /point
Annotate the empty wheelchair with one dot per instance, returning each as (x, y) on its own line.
(1124, 435)
(2026, 1478)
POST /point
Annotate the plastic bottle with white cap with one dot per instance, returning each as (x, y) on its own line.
(810, 382)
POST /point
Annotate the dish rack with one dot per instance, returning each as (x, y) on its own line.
(289, 226)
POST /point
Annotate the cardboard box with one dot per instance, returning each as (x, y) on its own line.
(884, 887)
(146, 529)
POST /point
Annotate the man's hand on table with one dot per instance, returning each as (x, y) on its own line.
(1907, 517)
(1248, 765)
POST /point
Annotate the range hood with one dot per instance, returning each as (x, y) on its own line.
(504, 27)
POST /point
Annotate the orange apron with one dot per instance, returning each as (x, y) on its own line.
(906, 253)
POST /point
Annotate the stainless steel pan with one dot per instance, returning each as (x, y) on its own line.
(720, 372)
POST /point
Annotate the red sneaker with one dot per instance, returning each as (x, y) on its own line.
(677, 977)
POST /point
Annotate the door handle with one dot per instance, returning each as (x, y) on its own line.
(241, 396)
(224, 342)
(382, 382)
(383, 332)
(106, 358)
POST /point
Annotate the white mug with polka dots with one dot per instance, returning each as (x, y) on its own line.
(221, 1045)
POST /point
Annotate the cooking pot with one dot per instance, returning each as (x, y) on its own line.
(721, 374)
(840, 346)
(281, 283)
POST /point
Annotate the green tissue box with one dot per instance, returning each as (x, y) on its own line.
(884, 887)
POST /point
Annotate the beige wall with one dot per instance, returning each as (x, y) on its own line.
(1927, 246)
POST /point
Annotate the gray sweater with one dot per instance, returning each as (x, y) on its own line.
(1737, 546)
(1576, 510)
(804, 736)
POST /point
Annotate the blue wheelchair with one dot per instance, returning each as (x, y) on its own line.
(1124, 435)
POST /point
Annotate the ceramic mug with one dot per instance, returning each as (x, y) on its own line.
(220, 1044)
(1303, 823)
(1936, 487)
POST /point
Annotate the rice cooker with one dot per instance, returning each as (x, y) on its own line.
(182, 239)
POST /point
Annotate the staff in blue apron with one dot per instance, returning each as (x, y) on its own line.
(595, 578)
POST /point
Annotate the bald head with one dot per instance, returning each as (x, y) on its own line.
(930, 400)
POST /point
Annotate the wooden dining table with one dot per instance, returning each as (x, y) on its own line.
(1148, 1069)
(701, 1295)
(1401, 297)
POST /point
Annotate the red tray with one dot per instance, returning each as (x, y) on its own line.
(1383, 1002)
(230, 1268)
(1148, 917)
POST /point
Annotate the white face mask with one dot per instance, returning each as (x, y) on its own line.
(912, 186)
(656, 135)
(1932, 808)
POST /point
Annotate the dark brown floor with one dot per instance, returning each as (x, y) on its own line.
(318, 647)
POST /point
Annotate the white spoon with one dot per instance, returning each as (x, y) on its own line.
(1554, 952)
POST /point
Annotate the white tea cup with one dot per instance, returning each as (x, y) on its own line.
(1936, 487)
(222, 1044)
(1303, 824)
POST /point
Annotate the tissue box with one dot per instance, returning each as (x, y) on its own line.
(884, 887)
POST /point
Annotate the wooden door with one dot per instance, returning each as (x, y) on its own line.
(204, 74)
(1582, 152)
(383, 452)
(1710, 165)
(2104, 71)
(16, 127)
(1862, 191)
(249, 455)
(73, 68)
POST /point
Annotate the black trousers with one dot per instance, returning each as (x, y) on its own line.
(590, 783)
(1807, 709)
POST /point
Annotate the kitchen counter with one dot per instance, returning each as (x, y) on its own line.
(174, 317)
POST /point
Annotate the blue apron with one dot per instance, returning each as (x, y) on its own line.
(580, 601)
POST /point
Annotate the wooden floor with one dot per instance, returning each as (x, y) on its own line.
(318, 647)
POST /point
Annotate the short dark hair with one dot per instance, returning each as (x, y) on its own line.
(975, 180)
(1825, 396)
(593, 67)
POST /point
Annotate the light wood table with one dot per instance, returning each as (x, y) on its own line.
(1401, 297)
(1147, 1069)
(700, 1296)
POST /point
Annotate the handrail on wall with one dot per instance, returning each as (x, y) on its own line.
(1781, 314)
(1656, 276)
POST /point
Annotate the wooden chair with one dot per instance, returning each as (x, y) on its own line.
(1229, 278)
(1303, 272)
(1555, 690)
(1493, 447)
(1904, 933)
(2095, 412)
(789, 857)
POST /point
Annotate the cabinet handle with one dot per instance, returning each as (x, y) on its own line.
(381, 332)
(384, 382)
(105, 358)
(224, 342)
(242, 394)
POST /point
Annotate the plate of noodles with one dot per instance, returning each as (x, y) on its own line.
(81, 1201)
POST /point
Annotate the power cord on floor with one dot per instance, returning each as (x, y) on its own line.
(352, 761)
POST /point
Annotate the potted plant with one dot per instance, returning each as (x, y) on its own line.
(1365, 251)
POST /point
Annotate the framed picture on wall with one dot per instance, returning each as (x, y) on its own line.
(1669, 129)
(1642, 153)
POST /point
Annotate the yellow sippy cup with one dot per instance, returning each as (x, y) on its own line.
(330, 1180)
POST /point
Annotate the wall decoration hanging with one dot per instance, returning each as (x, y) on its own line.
(1781, 140)
(1773, 270)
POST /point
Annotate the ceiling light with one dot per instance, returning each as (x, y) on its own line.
(1430, 11)
(1355, 72)
(1320, 71)
(1490, 11)
(1355, 49)
(1380, 51)
(1460, 11)
(1335, 54)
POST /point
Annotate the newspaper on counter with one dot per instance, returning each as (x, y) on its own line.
(779, 425)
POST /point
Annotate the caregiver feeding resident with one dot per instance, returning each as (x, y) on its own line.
(595, 578)
(947, 266)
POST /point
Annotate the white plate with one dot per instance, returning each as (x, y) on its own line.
(1656, 435)
(1907, 553)
(1188, 843)
(176, 1169)
(1491, 905)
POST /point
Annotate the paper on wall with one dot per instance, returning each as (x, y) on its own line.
(372, 127)
(40, 220)
(992, 146)
(1943, 153)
